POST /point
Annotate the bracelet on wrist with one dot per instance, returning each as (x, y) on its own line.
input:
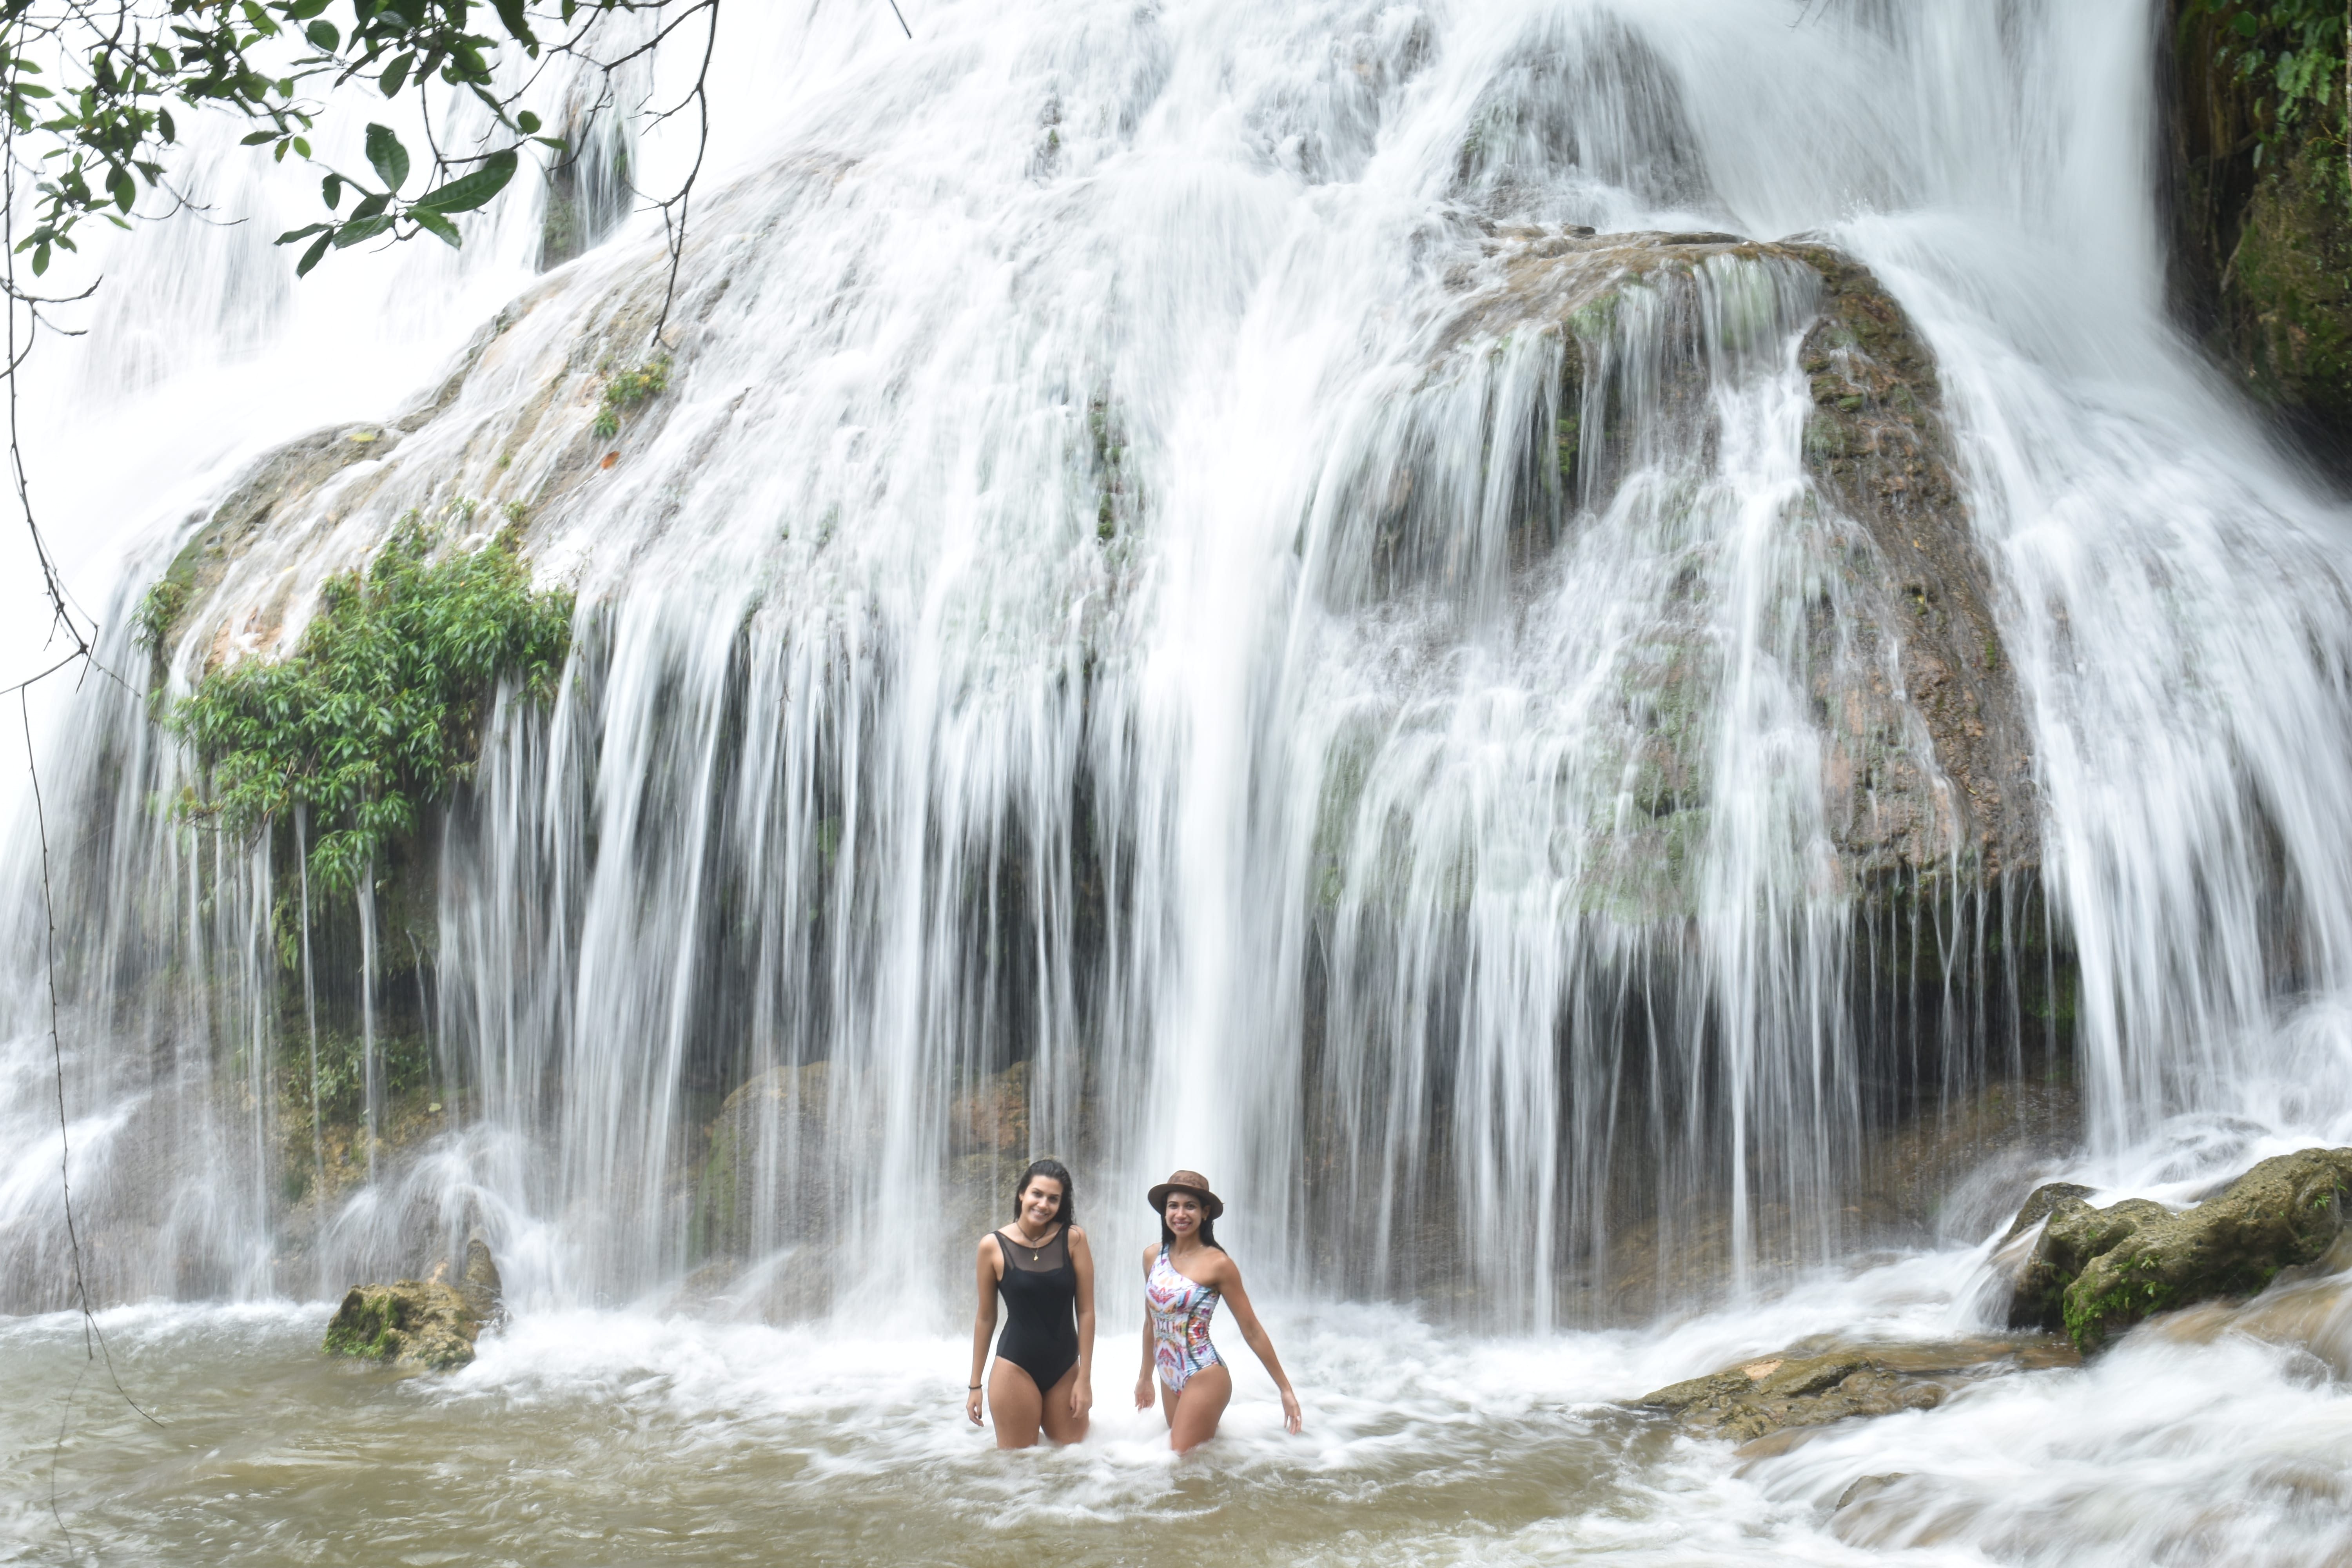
(969, 1387)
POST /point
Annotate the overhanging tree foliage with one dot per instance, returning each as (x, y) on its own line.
(95, 96)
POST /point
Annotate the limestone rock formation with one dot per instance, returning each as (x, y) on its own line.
(2095, 1272)
(1928, 761)
(414, 1324)
(1810, 1386)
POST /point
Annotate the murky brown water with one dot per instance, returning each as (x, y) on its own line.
(609, 1438)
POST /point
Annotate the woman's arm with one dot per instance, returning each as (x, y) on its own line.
(1082, 1258)
(983, 1325)
(1229, 1285)
(1144, 1392)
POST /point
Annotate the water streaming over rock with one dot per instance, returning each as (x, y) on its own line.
(1528, 631)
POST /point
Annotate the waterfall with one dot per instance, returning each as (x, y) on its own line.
(1266, 587)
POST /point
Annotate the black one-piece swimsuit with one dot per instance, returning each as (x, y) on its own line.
(1040, 1287)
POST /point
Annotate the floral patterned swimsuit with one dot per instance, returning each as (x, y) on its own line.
(1181, 1310)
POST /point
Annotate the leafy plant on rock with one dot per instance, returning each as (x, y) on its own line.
(379, 709)
(628, 388)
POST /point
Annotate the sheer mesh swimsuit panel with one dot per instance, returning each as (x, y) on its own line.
(1180, 1310)
(1040, 1287)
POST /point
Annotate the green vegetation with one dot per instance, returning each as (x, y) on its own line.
(121, 74)
(158, 613)
(379, 709)
(403, 1062)
(367, 1325)
(628, 388)
(2285, 57)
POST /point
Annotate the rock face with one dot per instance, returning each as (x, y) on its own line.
(2095, 1272)
(1798, 1388)
(428, 1324)
(1927, 758)
(412, 1323)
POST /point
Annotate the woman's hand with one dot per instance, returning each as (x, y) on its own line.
(1082, 1399)
(1143, 1390)
(1290, 1417)
(971, 1407)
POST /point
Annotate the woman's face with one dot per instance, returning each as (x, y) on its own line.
(1184, 1212)
(1041, 1200)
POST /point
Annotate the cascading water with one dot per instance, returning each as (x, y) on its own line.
(1273, 588)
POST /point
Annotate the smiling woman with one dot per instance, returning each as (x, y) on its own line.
(1041, 1266)
(1183, 1279)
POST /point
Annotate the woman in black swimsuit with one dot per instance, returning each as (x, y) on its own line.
(1041, 1265)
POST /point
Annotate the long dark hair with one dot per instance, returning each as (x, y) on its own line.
(1207, 1233)
(1068, 1211)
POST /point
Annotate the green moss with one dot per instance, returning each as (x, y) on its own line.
(380, 708)
(364, 1326)
(2088, 1316)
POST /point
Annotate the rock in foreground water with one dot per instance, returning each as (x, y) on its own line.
(1813, 1387)
(2284, 1212)
(418, 1324)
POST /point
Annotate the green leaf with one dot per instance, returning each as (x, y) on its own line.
(517, 22)
(396, 73)
(527, 121)
(470, 191)
(369, 206)
(433, 223)
(302, 146)
(330, 191)
(389, 158)
(324, 36)
(256, 139)
(310, 257)
(292, 235)
(361, 230)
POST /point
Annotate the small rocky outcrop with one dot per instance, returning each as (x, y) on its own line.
(428, 1325)
(1810, 1386)
(2096, 1271)
(483, 1291)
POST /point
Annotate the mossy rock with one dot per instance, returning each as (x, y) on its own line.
(2074, 1235)
(2284, 1212)
(413, 1323)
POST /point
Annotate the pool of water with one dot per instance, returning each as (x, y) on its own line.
(594, 1438)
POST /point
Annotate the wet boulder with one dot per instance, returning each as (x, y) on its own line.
(425, 1324)
(415, 1324)
(1925, 749)
(2074, 1233)
(483, 1291)
(1812, 1386)
(2284, 1212)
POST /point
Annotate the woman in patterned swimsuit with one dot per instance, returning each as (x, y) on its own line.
(1184, 1278)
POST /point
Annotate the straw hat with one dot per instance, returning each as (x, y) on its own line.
(1191, 1182)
